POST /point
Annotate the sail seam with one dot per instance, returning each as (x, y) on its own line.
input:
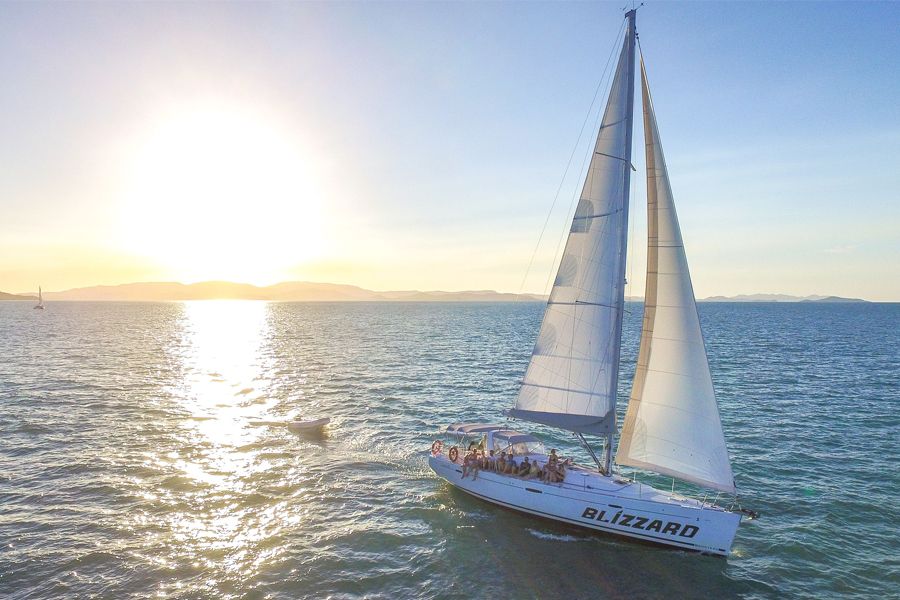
(561, 389)
(673, 407)
(667, 373)
(581, 303)
(666, 339)
(578, 358)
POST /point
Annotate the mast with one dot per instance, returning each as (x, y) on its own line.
(630, 35)
(573, 374)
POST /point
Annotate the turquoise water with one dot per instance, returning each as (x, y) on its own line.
(129, 466)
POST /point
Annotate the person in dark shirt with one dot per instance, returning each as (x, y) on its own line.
(524, 468)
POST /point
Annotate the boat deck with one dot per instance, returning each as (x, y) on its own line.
(583, 479)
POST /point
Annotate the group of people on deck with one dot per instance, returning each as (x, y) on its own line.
(553, 471)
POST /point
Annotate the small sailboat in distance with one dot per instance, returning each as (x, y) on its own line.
(671, 425)
(40, 304)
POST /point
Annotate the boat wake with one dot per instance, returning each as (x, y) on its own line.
(554, 537)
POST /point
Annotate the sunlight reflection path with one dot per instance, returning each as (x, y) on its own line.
(219, 513)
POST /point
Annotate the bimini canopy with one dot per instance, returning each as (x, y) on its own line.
(515, 443)
(462, 429)
(510, 437)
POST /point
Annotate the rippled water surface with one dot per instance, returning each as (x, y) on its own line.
(130, 465)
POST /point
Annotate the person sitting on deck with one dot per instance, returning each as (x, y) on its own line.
(490, 462)
(510, 467)
(535, 471)
(547, 473)
(469, 463)
(524, 468)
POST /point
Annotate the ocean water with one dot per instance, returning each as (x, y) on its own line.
(130, 466)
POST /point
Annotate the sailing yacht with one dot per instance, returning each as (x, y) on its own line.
(40, 304)
(671, 425)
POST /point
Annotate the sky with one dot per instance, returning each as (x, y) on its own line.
(421, 145)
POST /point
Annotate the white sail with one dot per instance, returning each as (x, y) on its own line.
(672, 423)
(573, 374)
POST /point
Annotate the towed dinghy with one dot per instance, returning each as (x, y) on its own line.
(309, 425)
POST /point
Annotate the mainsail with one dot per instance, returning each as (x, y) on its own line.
(672, 423)
(571, 380)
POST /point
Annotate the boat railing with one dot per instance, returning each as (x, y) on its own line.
(700, 497)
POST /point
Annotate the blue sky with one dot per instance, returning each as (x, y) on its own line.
(432, 137)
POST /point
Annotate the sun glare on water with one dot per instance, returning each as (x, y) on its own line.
(218, 192)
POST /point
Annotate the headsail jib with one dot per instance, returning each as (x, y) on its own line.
(672, 424)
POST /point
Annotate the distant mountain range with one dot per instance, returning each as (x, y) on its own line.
(779, 298)
(5, 296)
(305, 291)
(293, 291)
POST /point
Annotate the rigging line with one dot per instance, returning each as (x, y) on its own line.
(584, 163)
(565, 232)
(569, 164)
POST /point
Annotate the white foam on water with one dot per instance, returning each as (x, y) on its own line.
(554, 537)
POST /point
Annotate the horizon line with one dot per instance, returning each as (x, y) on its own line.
(534, 295)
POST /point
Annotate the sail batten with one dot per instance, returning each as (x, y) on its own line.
(572, 376)
(672, 424)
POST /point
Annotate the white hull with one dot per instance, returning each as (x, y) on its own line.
(308, 425)
(609, 504)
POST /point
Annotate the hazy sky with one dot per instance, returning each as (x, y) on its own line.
(420, 145)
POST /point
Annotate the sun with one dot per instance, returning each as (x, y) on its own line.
(220, 192)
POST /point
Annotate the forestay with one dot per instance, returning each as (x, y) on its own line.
(572, 377)
(672, 423)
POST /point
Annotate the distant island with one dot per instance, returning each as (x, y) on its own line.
(778, 298)
(293, 291)
(5, 296)
(307, 291)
